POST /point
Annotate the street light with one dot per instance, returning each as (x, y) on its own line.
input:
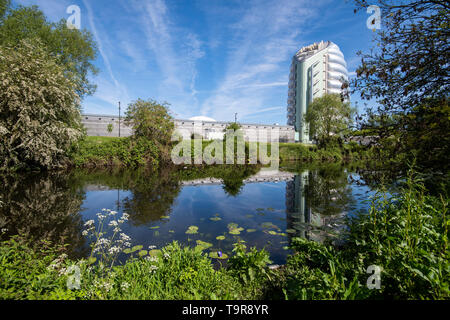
(119, 119)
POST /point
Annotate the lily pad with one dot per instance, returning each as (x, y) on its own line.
(136, 248)
(142, 253)
(234, 229)
(215, 218)
(154, 252)
(269, 225)
(202, 245)
(220, 237)
(192, 230)
(171, 231)
(251, 230)
(165, 217)
(155, 227)
(274, 233)
(215, 255)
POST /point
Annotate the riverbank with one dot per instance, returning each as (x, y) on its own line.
(103, 152)
(404, 238)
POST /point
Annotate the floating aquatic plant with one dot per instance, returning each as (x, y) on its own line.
(215, 255)
(250, 230)
(154, 252)
(233, 228)
(202, 245)
(220, 237)
(192, 230)
(142, 253)
(215, 218)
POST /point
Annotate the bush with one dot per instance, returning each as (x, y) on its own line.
(121, 152)
(39, 108)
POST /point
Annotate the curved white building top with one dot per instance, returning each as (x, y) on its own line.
(202, 118)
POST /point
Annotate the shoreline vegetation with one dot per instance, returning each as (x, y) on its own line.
(104, 152)
(407, 236)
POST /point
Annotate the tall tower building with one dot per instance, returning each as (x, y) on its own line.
(315, 70)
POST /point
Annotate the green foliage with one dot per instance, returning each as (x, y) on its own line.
(4, 5)
(331, 153)
(406, 236)
(250, 267)
(110, 127)
(150, 120)
(72, 49)
(39, 108)
(115, 152)
(408, 75)
(31, 273)
(328, 118)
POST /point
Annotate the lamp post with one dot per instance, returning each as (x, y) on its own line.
(119, 119)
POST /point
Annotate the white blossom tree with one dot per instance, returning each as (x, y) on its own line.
(39, 108)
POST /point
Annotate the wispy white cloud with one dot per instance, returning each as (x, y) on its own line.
(265, 38)
(175, 51)
(109, 92)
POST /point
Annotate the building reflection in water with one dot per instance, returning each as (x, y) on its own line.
(306, 219)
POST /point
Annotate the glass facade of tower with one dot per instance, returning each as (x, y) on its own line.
(315, 70)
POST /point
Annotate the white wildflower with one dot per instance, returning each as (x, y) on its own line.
(125, 285)
(153, 268)
(114, 250)
(124, 237)
(89, 223)
(113, 223)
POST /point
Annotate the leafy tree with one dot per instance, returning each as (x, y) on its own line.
(328, 117)
(39, 108)
(150, 120)
(4, 5)
(71, 48)
(407, 73)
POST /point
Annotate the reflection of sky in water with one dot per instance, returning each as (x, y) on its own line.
(259, 206)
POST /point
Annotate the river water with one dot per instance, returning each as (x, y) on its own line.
(214, 208)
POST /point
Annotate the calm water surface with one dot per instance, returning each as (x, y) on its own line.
(265, 209)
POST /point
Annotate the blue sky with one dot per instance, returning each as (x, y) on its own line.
(208, 57)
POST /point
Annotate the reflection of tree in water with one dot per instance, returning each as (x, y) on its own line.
(152, 192)
(233, 176)
(42, 207)
(317, 199)
(328, 192)
(153, 196)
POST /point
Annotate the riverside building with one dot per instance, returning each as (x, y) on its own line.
(315, 70)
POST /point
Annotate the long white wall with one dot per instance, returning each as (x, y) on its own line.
(97, 125)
